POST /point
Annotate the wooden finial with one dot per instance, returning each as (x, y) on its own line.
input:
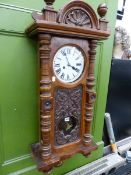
(102, 10)
(49, 3)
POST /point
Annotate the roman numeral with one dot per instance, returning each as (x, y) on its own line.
(58, 58)
(68, 51)
(68, 77)
(73, 75)
(57, 65)
(77, 58)
(75, 52)
(62, 75)
(77, 70)
(78, 64)
(63, 52)
(58, 70)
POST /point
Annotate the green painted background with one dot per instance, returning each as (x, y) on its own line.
(18, 87)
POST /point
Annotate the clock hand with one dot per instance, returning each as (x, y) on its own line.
(68, 64)
(74, 68)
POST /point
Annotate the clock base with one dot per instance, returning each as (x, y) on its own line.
(46, 165)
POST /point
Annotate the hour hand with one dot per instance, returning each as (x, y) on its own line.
(76, 69)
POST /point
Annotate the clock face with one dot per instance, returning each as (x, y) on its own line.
(68, 64)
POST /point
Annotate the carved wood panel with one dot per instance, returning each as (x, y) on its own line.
(68, 110)
(78, 17)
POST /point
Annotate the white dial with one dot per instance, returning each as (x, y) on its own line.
(68, 64)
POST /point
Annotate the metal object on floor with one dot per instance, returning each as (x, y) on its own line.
(123, 146)
(102, 166)
(110, 133)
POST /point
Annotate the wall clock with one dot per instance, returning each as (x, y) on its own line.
(67, 41)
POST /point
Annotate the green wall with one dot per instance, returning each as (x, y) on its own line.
(18, 88)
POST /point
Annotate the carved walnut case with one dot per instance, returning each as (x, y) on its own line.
(66, 108)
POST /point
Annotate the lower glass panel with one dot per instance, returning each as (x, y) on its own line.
(68, 111)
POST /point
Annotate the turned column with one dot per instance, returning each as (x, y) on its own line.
(45, 95)
(90, 93)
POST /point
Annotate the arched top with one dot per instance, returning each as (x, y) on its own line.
(78, 13)
(76, 19)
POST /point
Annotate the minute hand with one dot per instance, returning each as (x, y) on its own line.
(67, 60)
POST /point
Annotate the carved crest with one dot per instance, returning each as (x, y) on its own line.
(78, 13)
(78, 17)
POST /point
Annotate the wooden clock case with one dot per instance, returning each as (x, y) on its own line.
(75, 24)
